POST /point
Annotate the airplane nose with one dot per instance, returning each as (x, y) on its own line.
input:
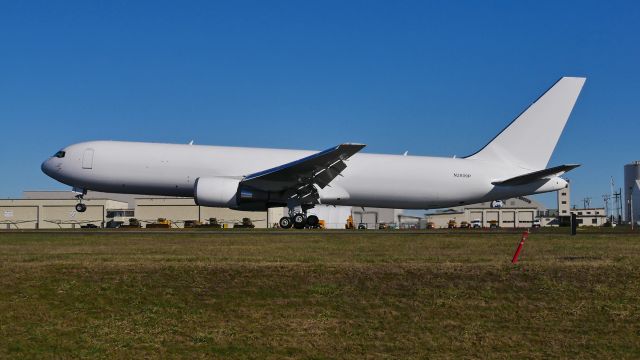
(47, 167)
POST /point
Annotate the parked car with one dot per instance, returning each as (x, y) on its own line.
(476, 223)
(112, 224)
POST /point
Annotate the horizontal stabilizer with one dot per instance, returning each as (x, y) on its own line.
(537, 175)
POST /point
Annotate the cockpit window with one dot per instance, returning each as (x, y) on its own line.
(60, 154)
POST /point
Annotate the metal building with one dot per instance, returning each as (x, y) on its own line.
(371, 218)
(35, 210)
(54, 213)
(510, 213)
(632, 191)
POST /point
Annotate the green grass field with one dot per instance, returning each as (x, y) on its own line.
(319, 295)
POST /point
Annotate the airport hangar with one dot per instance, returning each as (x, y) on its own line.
(55, 210)
(519, 212)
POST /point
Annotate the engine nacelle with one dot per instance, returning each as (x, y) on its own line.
(216, 192)
(227, 192)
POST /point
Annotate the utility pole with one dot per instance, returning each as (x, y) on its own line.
(587, 202)
(612, 200)
(617, 196)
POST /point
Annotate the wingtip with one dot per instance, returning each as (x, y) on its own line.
(575, 78)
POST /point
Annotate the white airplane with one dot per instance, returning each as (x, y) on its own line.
(514, 163)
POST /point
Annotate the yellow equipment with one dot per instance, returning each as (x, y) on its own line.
(161, 223)
(349, 224)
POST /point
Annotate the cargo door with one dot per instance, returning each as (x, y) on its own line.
(87, 159)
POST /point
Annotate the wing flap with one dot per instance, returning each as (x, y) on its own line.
(536, 175)
(327, 175)
(320, 169)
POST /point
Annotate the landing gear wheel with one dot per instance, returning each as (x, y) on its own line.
(312, 221)
(285, 222)
(299, 221)
(81, 207)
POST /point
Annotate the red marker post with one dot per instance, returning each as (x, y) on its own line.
(525, 235)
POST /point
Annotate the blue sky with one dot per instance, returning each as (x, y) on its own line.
(433, 78)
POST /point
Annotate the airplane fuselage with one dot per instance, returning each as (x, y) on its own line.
(376, 180)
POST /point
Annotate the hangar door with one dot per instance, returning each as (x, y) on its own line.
(475, 215)
(368, 218)
(493, 216)
(508, 219)
(525, 218)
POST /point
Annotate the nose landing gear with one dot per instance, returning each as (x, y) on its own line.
(80, 207)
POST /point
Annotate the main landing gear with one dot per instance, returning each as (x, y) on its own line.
(299, 220)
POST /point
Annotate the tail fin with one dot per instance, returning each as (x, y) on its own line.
(529, 140)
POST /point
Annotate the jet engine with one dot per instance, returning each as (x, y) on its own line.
(228, 193)
(216, 192)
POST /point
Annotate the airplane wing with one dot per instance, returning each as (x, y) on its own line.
(537, 175)
(302, 174)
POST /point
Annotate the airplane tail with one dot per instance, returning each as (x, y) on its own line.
(530, 139)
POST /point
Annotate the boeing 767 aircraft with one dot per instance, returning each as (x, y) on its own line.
(514, 163)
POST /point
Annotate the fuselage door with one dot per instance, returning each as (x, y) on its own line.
(87, 159)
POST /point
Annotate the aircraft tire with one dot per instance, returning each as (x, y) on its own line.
(299, 221)
(312, 221)
(285, 222)
(80, 207)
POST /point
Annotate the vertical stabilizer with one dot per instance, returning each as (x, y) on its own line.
(530, 139)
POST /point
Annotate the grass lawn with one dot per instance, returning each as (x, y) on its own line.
(319, 295)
